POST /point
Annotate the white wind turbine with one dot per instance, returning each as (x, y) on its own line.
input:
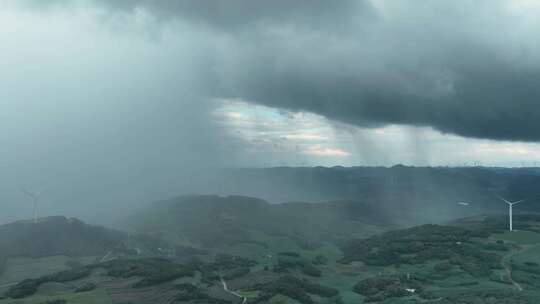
(35, 198)
(510, 205)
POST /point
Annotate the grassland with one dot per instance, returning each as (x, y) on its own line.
(98, 296)
(18, 269)
(519, 237)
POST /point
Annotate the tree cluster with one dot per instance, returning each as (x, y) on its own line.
(420, 244)
(295, 288)
(378, 289)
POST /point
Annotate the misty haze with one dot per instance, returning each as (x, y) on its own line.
(269, 151)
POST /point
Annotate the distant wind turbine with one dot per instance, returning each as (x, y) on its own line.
(35, 198)
(510, 205)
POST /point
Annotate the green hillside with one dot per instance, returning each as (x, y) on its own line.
(217, 222)
(211, 249)
(56, 236)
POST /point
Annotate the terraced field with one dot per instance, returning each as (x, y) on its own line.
(121, 291)
(17, 269)
(98, 296)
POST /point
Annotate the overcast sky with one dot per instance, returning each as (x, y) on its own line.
(97, 95)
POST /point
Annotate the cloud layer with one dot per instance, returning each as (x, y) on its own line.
(462, 67)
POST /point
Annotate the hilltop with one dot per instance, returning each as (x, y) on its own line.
(56, 235)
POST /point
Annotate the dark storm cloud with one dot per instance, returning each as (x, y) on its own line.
(462, 67)
(440, 69)
(492, 100)
(426, 63)
(236, 14)
(240, 13)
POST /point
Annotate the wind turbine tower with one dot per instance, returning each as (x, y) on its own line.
(35, 199)
(510, 205)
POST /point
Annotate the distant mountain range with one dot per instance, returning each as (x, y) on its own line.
(427, 194)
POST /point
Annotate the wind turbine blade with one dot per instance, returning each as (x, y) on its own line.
(504, 200)
(41, 191)
(28, 193)
(518, 202)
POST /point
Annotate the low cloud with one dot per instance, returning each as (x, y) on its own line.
(325, 151)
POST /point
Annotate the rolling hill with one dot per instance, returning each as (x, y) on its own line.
(56, 236)
(472, 261)
(211, 221)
